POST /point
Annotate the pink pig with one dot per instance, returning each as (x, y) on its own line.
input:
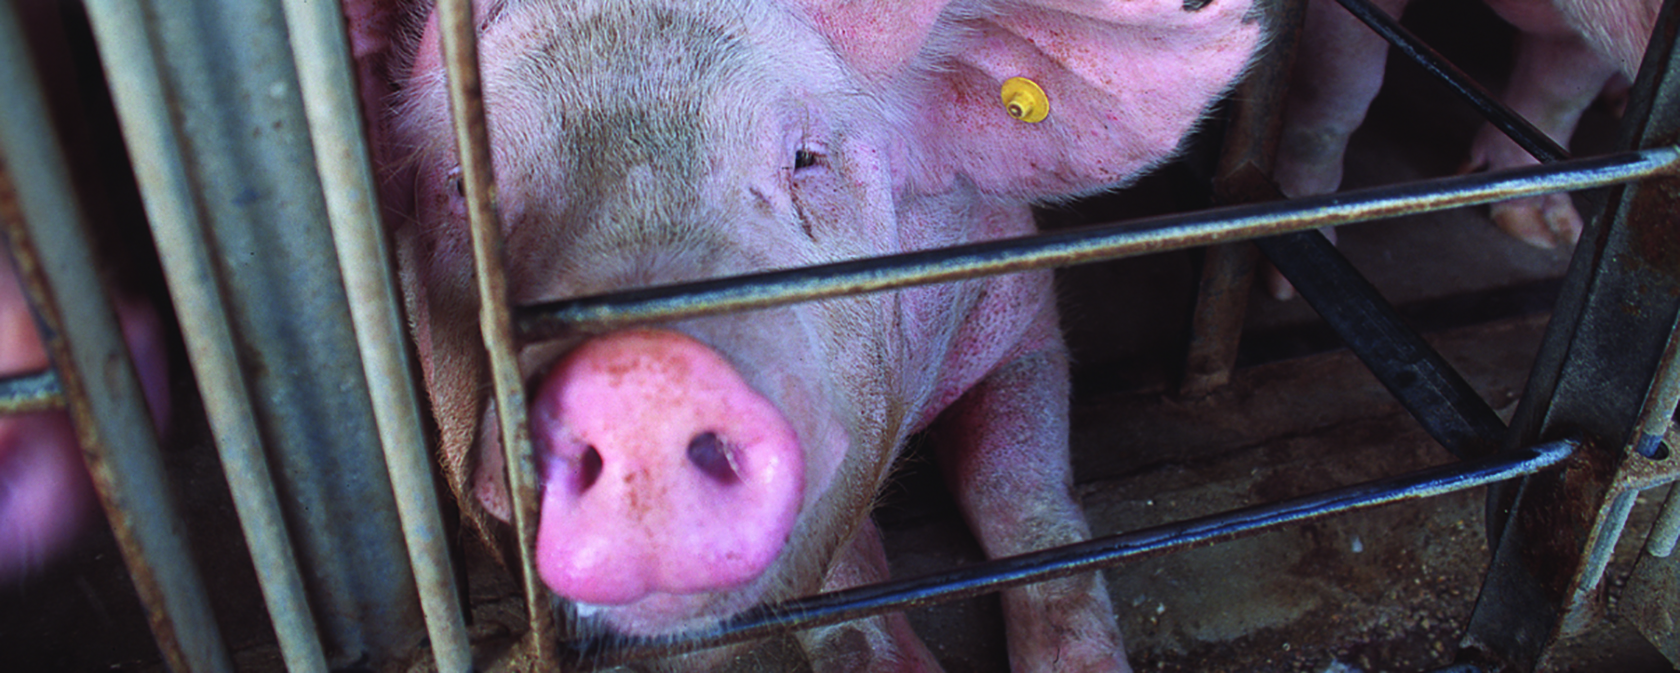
(692, 470)
(1568, 51)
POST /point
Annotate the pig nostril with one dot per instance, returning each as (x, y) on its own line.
(708, 453)
(589, 468)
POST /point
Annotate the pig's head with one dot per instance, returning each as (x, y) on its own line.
(692, 470)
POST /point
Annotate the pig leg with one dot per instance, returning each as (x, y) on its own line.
(1003, 448)
(1554, 80)
(883, 643)
(1337, 74)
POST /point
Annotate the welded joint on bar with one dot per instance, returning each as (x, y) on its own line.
(1092, 555)
(39, 391)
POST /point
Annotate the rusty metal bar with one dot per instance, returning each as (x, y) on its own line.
(341, 155)
(136, 89)
(1083, 245)
(24, 393)
(1250, 145)
(1104, 552)
(472, 141)
(81, 334)
(1512, 124)
(1597, 375)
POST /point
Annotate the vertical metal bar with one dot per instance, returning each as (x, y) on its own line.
(341, 154)
(228, 88)
(472, 140)
(1250, 146)
(82, 336)
(137, 91)
(1608, 341)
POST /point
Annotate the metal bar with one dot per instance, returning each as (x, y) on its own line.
(1512, 124)
(227, 92)
(152, 143)
(1250, 145)
(549, 320)
(1597, 371)
(341, 155)
(24, 393)
(999, 574)
(1666, 530)
(472, 141)
(1445, 404)
(82, 336)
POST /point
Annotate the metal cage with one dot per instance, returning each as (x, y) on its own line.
(245, 137)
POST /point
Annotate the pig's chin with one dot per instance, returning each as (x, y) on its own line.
(663, 614)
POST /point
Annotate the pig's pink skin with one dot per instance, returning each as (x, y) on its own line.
(641, 143)
(1568, 51)
(46, 496)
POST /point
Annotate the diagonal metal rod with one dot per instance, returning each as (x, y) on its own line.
(999, 574)
(550, 320)
(1512, 124)
(1446, 405)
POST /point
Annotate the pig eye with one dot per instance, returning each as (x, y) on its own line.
(455, 183)
(804, 158)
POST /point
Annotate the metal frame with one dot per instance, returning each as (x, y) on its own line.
(223, 197)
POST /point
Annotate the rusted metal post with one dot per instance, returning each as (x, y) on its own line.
(1250, 145)
(1596, 376)
(472, 138)
(47, 234)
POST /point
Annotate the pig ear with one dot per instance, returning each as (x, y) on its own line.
(1122, 81)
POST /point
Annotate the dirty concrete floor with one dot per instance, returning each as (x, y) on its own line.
(1386, 589)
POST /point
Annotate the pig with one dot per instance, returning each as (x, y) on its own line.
(691, 470)
(1568, 52)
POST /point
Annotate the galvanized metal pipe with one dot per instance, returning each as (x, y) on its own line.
(341, 157)
(1666, 530)
(472, 141)
(24, 393)
(143, 109)
(1512, 124)
(549, 320)
(55, 263)
(1078, 558)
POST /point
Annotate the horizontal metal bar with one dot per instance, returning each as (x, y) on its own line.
(1512, 124)
(1095, 243)
(1087, 556)
(24, 393)
(1446, 405)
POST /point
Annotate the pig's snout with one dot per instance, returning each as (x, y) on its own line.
(664, 472)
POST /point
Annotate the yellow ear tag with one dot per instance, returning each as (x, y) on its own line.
(1025, 100)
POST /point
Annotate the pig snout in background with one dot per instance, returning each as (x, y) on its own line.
(694, 469)
(1568, 53)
